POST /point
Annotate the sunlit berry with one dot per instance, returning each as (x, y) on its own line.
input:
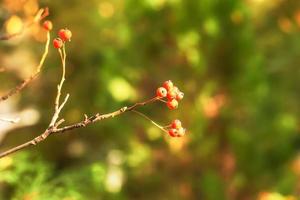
(175, 88)
(172, 104)
(65, 34)
(47, 25)
(180, 132)
(172, 132)
(161, 92)
(168, 85)
(171, 94)
(179, 96)
(176, 124)
(57, 43)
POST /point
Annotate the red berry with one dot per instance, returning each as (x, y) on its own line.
(171, 94)
(168, 85)
(57, 43)
(47, 25)
(172, 132)
(172, 104)
(180, 132)
(176, 89)
(161, 92)
(179, 96)
(176, 124)
(65, 34)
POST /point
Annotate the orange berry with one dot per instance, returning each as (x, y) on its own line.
(65, 34)
(172, 104)
(57, 43)
(168, 85)
(47, 25)
(161, 92)
(176, 124)
(179, 96)
(172, 132)
(181, 132)
(171, 94)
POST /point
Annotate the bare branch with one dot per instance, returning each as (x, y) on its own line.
(87, 120)
(25, 82)
(41, 14)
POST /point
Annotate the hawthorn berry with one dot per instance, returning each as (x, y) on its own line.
(57, 43)
(168, 85)
(65, 34)
(161, 92)
(180, 132)
(171, 94)
(176, 124)
(179, 96)
(172, 104)
(175, 88)
(172, 132)
(47, 25)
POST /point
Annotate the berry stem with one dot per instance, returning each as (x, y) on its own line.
(162, 100)
(153, 122)
(57, 104)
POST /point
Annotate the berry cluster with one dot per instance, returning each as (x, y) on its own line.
(176, 129)
(168, 90)
(171, 92)
(64, 35)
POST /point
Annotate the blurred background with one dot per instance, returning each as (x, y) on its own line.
(237, 61)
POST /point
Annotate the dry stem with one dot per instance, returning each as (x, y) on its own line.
(25, 82)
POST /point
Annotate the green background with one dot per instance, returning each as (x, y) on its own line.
(237, 63)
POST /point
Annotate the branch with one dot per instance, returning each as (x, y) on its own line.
(25, 82)
(10, 120)
(88, 120)
(58, 107)
(41, 14)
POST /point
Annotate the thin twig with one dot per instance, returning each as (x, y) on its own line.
(57, 105)
(163, 101)
(10, 120)
(153, 122)
(25, 82)
(41, 14)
